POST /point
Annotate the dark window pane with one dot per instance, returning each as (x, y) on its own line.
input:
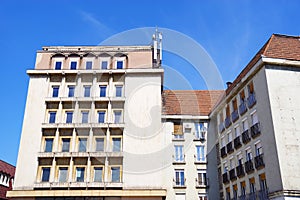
(69, 117)
(89, 64)
(63, 174)
(117, 116)
(101, 117)
(73, 65)
(80, 174)
(65, 144)
(45, 174)
(55, 91)
(119, 64)
(119, 91)
(58, 65)
(82, 144)
(99, 144)
(87, 91)
(48, 144)
(102, 91)
(52, 116)
(115, 174)
(71, 91)
(98, 171)
(104, 64)
(116, 144)
(85, 117)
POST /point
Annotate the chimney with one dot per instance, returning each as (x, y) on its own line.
(228, 84)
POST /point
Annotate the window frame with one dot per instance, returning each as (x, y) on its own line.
(57, 175)
(112, 143)
(102, 175)
(199, 157)
(85, 87)
(41, 173)
(66, 116)
(120, 59)
(74, 60)
(105, 59)
(58, 60)
(61, 143)
(71, 86)
(78, 144)
(75, 177)
(181, 179)
(121, 121)
(86, 64)
(105, 115)
(45, 144)
(54, 94)
(120, 173)
(49, 116)
(83, 113)
(106, 91)
(95, 143)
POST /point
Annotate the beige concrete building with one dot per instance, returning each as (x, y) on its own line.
(253, 144)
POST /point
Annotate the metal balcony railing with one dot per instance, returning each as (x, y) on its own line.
(259, 161)
(225, 177)
(245, 137)
(232, 175)
(229, 148)
(255, 130)
(240, 170)
(251, 100)
(249, 168)
(237, 142)
(223, 152)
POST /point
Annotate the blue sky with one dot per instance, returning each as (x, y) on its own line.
(230, 31)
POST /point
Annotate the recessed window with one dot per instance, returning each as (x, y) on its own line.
(58, 65)
(98, 174)
(258, 149)
(87, 91)
(82, 144)
(99, 144)
(116, 142)
(200, 155)
(48, 144)
(73, 65)
(104, 64)
(119, 64)
(71, 91)
(80, 174)
(102, 91)
(179, 178)
(179, 157)
(88, 64)
(101, 116)
(248, 154)
(119, 89)
(254, 118)
(201, 179)
(65, 146)
(69, 117)
(62, 174)
(85, 117)
(115, 174)
(52, 116)
(55, 90)
(45, 174)
(117, 116)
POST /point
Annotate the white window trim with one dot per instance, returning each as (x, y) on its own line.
(119, 59)
(85, 60)
(108, 59)
(74, 60)
(58, 60)
(97, 115)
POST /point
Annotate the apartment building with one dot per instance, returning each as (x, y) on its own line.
(185, 119)
(7, 173)
(84, 122)
(254, 129)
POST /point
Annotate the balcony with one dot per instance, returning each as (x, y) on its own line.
(234, 115)
(259, 162)
(179, 183)
(249, 168)
(232, 175)
(251, 100)
(240, 170)
(223, 152)
(255, 130)
(237, 142)
(242, 108)
(221, 127)
(225, 178)
(245, 137)
(229, 147)
(227, 122)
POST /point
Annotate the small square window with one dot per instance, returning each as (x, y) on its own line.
(48, 144)
(119, 89)
(71, 91)
(55, 90)
(102, 91)
(119, 64)
(85, 117)
(58, 65)
(52, 116)
(73, 65)
(104, 65)
(87, 91)
(80, 174)
(69, 117)
(88, 64)
(101, 116)
(45, 174)
(82, 145)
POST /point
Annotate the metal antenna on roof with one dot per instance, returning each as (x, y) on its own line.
(157, 48)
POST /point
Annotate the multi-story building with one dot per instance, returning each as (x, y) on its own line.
(185, 119)
(254, 130)
(7, 173)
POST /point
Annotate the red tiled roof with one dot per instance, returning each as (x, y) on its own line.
(278, 46)
(7, 168)
(189, 102)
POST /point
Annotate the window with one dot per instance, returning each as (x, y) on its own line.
(71, 91)
(87, 91)
(69, 117)
(263, 182)
(119, 89)
(248, 154)
(82, 144)
(254, 118)
(48, 144)
(73, 65)
(200, 155)
(223, 142)
(231, 163)
(99, 144)
(62, 174)
(258, 149)
(235, 192)
(237, 131)
(199, 130)
(245, 125)
(229, 136)
(243, 188)
(102, 91)
(101, 116)
(55, 90)
(242, 96)
(88, 64)
(65, 147)
(80, 174)
(201, 179)
(116, 142)
(104, 64)
(117, 116)
(45, 174)
(179, 178)
(228, 193)
(115, 174)
(98, 174)
(179, 153)
(58, 65)
(250, 88)
(225, 167)
(52, 116)
(240, 159)
(252, 185)
(85, 116)
(119, 64)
